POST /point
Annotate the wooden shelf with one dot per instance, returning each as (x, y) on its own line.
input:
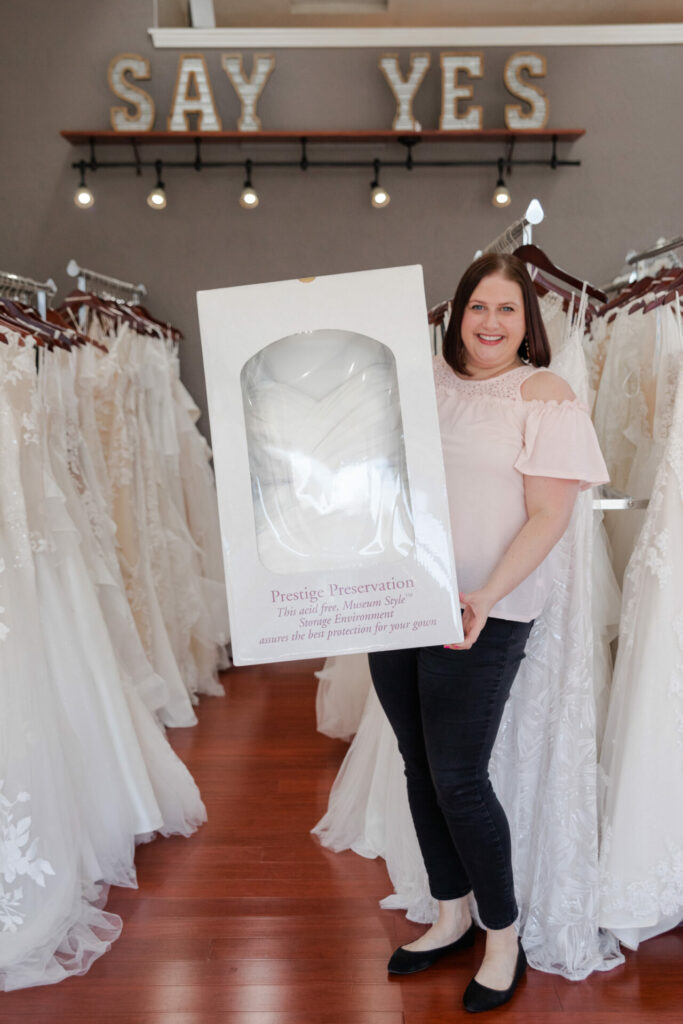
(111, 138)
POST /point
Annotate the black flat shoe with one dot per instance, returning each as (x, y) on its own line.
(406, 961)
(478, 998)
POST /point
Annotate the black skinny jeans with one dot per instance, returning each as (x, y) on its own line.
(445, 707)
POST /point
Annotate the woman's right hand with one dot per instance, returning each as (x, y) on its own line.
(476, 608)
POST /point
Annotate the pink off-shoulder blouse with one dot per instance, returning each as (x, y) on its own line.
(491, 438)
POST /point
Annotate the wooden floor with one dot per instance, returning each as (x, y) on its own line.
(251, 922)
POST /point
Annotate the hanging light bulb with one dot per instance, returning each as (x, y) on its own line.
(501, 194)
(156, 199)
(83, 197)
(379, 197)
(249, 199)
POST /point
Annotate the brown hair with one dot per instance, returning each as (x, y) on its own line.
(513, 269)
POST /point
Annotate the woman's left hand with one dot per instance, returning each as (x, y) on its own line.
(476, 608)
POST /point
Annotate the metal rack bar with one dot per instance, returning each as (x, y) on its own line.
(28, 289)
(610, 498)
(92, 277)
(99, 164)
(519, 232)
(675, 243)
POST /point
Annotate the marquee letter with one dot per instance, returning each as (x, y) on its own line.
(451, 93)
(537, 117)
(248, 89)
(141, 118)
(405, 90)
(192, 73)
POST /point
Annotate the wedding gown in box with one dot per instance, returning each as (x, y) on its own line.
(543, 766)
(51, 921)
(326, 453)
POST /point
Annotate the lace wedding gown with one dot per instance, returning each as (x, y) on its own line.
(178, 604)
(86, 771)
(543, 766)
(641, 856)
(51, 921)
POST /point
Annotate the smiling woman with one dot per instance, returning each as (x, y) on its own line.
(496, 323)
(517, 446)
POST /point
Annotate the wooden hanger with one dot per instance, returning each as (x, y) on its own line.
(9, 326)
(437, 314)
(664, 300)
(56, 318)
(169, 329)
(532, 254)
(40, 329)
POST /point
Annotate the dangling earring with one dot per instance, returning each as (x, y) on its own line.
(526, 352)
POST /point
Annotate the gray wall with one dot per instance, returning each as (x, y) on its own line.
(54, 75)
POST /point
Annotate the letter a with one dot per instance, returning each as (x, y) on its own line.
(192, 72)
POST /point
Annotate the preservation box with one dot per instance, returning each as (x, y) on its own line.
(330, 479)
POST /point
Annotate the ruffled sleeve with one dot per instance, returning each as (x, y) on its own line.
(560, 441)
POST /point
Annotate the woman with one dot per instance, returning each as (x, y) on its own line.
(517, 446)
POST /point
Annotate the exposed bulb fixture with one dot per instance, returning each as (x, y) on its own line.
(379, 197)
(249, 199)
(83, 197)
(156, 199)
(501, 195)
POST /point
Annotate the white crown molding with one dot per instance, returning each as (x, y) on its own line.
(514, 35)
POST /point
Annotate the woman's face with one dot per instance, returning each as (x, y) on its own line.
(493, 325)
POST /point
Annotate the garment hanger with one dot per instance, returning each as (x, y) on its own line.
(168, 329)
(665, 280)
(12, 327)
(56, 318)
(437, 314)
(103, 307)
(631, 292)
(39, 328)
(532, 254)
(636, 288)
(664, 300)
(61, 331)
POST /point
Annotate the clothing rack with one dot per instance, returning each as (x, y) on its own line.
(518, 233)
(27, 290)
(104, 285)
(659, 250)
(627, 277)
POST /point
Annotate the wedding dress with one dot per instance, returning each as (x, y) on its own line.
(100, 460)
(641, 856)
(543, 768)
(139, 534)
(326, 454)
(51, 921)
(135, 785)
